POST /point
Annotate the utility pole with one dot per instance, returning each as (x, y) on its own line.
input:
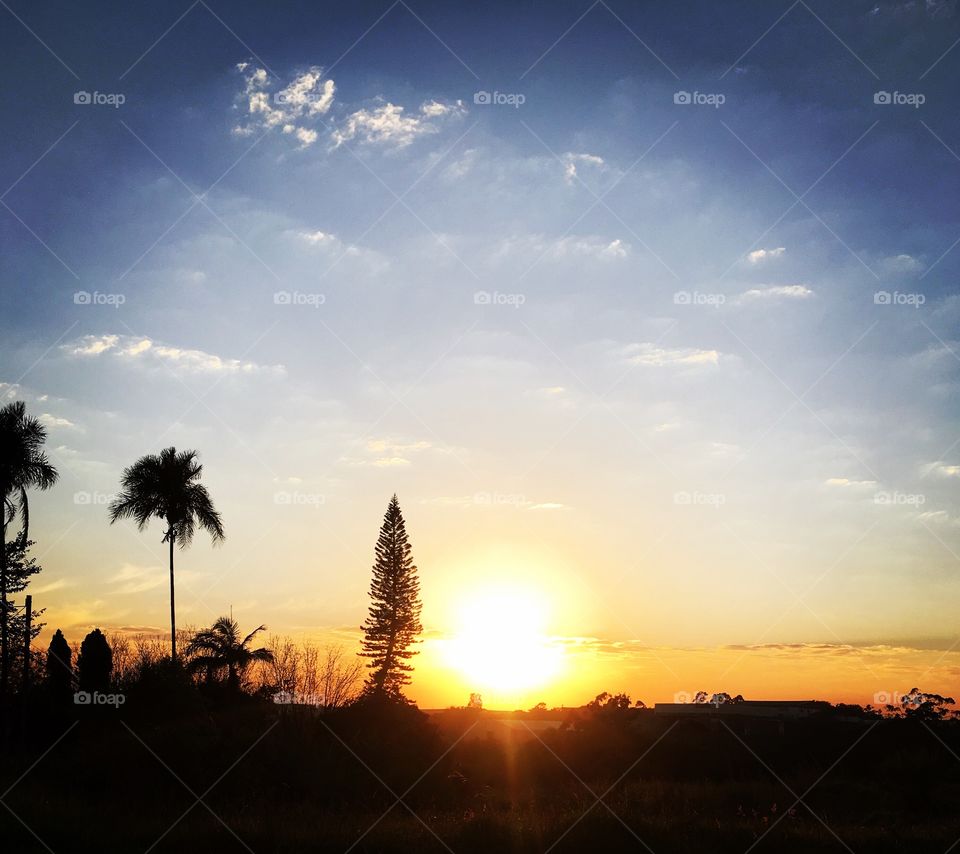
(28, 618)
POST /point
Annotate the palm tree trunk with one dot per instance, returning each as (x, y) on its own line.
(173, 612)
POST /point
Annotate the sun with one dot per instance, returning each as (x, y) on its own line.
(500, 646)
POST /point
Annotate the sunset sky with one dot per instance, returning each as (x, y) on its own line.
(657, 344)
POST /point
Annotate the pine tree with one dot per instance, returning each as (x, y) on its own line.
(391, 629)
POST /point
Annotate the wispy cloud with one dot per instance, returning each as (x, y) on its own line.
(776, 292)
(651, 355)
(136, 350)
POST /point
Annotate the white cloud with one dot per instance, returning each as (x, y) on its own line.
(943, 470)
(776, 292)
(650, 355)
(136, 579)
(571, 159)
(388, 453)
(901, 264)
(136, 350)
(759, 255)
(846, 483)
(308, 97)
(54, 421)
(536, 247)
(390, 125)
(59, 584)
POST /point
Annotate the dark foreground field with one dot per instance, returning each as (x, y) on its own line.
(254, 776)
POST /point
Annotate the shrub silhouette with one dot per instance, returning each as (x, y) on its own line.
(95, 663)
(59, 668)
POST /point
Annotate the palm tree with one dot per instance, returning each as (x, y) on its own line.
(166, 486)
(220, 648)
(23, 464)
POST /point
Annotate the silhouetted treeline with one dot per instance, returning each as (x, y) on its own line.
(319, 780)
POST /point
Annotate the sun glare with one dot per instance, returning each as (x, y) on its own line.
(500, 645)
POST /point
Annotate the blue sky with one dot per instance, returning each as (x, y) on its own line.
(684, 366)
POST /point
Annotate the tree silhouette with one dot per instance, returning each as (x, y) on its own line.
(221, 648)
(23, 465)
(21, 567)
(166, 486)
(95, 663)
(60, 668)
(393, 623)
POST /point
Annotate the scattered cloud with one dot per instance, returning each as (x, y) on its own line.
(847, 483)
(571, 160)
(51, 586)
(54, 421)
(388, 453)
(293, 108)
(776, 292)
(136, 579)
(902, 264)
(759, 255)
(561, 249)
(140, 350)
(390, 125)
(650, 355)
